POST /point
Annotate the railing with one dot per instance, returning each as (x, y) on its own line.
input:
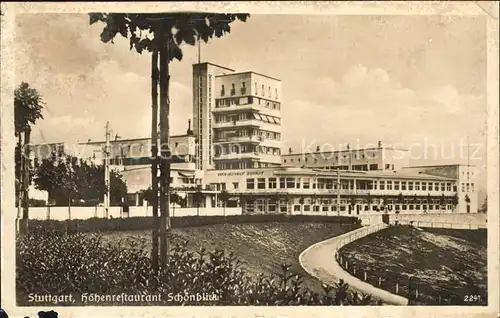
(442, 225)
(411, 287)
(416, 290)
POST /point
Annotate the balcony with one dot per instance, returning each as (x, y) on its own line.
(236, 156)
(238, 123)
(234, 108)
(235, 139)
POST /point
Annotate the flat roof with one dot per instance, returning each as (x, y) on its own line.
(213, 64)
(250, 72)
(339, 151)
(434, 166)
(129, 139)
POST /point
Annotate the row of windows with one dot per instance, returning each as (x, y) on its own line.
(247, 116)
(247, 100)
(262, 205)
(243, 90)
(323, 183)
(467, 187)
(264, 134)
(243, 164)
(327, 157)
(241, 148)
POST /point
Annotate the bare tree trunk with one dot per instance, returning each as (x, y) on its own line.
(26, 181)
(20, 181)
(154, 156)
(165, 151)
(69, 207)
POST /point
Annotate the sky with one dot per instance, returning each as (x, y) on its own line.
(416, 82)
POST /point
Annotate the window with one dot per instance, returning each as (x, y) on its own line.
(235, 185)
(276, 93)
(448, 186)
(272, 183)
(396, 185)
(472, 187)
(316, 208)
(429, 186)
(410, 185)
(269, 91)
(403, 185)
(290, 183)
(282, 183)
(436, 186)
(243, 88)
(263, 92)
(389, 185)
(443, 186)
(261, 183)
(222, 91)
(381, 185)
(250, 184)
(307, 208)
(424, 186)
(306, 183)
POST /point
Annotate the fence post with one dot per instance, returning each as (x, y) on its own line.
(397, 286)
(416, 291)
(354, 270)
(341, 260)
(379, 281)
(365, 276)
(439, 299)
(347, 265)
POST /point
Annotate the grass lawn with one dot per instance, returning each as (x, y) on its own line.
(442, 261)
(261, 247)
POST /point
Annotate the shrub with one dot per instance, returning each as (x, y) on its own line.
(146, 223)
(58, 262)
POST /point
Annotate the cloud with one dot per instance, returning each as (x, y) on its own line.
(366, 105)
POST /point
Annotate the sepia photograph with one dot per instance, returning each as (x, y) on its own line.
(236, 158)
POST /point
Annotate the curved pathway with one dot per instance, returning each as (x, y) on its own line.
(318, 261)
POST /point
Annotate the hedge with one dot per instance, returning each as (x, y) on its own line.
(146, 223)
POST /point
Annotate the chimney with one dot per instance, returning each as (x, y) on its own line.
(189, 131)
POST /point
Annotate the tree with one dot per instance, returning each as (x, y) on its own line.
(198, 199)
(48, 176)
(352, 203)
(28, 105)
(67, 178)
(442, 202)
(484, 207)
(175, 198)
(224, 197)
(163, 34)
(384, 203)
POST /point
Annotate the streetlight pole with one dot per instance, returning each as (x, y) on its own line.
(106, 172)
(338, 191)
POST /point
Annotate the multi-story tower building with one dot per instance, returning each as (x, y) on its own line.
(238, 120)
(203, 102)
